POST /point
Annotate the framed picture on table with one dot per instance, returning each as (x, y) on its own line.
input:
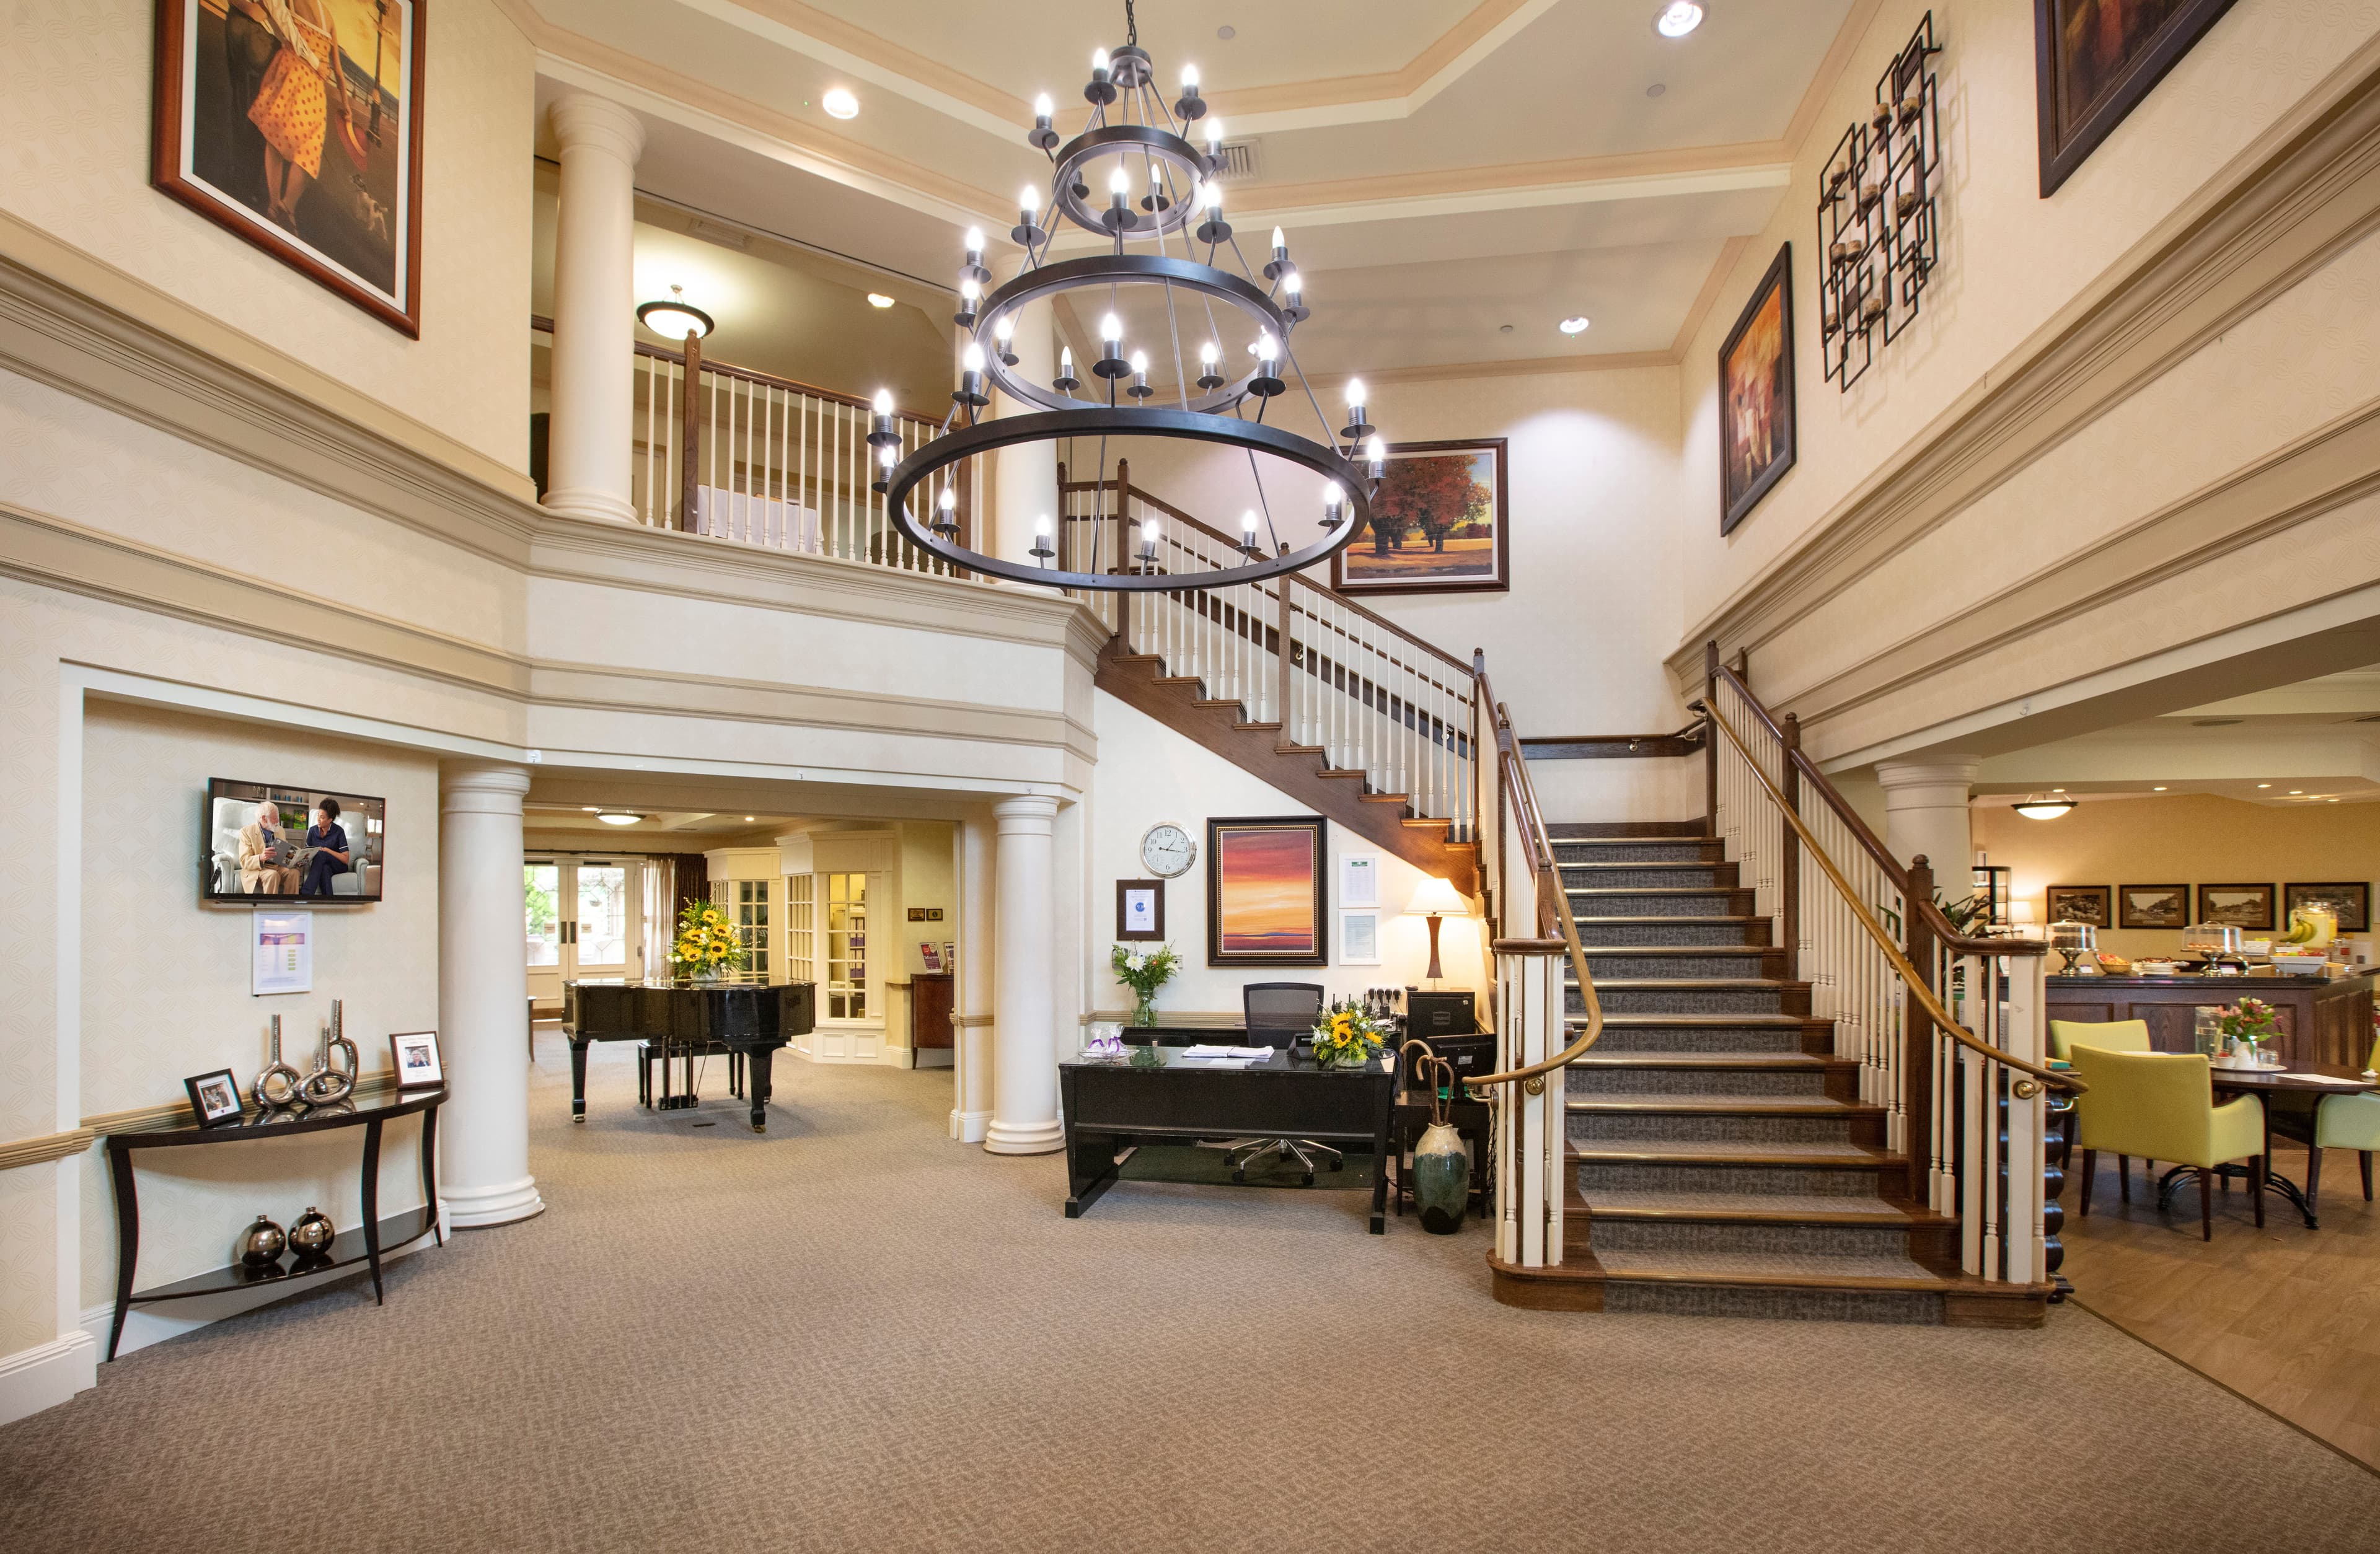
(414, 1055)
(1268, 891)
(215, 1098)
(297, 128)
(1439, 524)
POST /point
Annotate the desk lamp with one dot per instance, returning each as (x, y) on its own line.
(1436, 899)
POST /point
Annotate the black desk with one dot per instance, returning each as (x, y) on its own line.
(1111, 1106)
(750, 1018)
(366, 1244)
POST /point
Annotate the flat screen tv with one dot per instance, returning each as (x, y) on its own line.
(269, 841)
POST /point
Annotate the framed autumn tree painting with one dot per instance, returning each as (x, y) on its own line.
(1439, 524)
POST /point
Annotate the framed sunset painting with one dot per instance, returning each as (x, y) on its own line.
(1439, 523)
(1266, 897)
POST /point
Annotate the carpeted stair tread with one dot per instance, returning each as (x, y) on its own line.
(1790, 1061)
(1697, 984)
(1771, 1270)
(1695, 1103)
(1816, 1208)
(1720, 1151)
(1655, 1019)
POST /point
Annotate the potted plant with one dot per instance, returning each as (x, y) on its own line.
(707, 947)
(1346, 1037)
(1144, 973)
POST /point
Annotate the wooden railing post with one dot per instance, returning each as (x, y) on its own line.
(1710, 755)
(691, 428)
(1789, 867)
(1917, 1060)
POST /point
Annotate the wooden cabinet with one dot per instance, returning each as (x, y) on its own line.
(2321, 1021)
(929, 1011)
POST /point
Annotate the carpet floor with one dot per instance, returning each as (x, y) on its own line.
(854, 1334)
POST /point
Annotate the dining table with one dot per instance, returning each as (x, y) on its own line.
(2268, 1086)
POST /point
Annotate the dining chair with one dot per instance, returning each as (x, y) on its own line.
(2345, 1122)
(2161, 1105)
(2110, 1036)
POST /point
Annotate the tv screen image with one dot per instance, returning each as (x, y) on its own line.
(274, 841)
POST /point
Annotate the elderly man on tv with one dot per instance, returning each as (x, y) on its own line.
(262, 848)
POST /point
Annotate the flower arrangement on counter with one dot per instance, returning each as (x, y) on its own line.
(707, 944)
(1346, 1037)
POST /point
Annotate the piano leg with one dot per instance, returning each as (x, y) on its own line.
(757, 1081)
(577, 1078)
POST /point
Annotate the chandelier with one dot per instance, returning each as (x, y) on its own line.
(1133, 142)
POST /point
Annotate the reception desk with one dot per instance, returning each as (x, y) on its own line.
(2321, 1021)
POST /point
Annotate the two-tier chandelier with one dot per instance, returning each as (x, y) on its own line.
(1133, 141)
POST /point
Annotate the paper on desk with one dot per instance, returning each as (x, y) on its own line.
(1205, 1052)
(2327, 1080)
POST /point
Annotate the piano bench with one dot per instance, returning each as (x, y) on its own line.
(648, 1053)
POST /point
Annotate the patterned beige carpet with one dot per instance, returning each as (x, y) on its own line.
(854, 1334)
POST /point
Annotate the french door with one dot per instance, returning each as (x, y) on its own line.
(585, 921)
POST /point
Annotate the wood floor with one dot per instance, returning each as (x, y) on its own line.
(2286, 1317)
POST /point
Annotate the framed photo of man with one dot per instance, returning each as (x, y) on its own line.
(1439, 524)
(1759, 426)
(295, 125)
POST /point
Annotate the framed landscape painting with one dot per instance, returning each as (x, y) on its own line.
(2081, 903)
(1439, 524)
(296, 127)
(1756, 417)
(1265, 896)
(2152, 906)
(2351, 899)
(2094, 60)
(2236, 906)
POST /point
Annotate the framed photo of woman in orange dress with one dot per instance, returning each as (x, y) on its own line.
(297, 125)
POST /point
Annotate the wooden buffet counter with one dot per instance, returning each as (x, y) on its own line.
(2322, 1022)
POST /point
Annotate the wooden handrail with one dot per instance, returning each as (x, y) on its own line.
(539, 323)
(1910, 977)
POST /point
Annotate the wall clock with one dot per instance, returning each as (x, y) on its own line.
(1168, 851)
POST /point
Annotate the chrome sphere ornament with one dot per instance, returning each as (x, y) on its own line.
(261, 1245)
(1211, 360)
(311, 1236)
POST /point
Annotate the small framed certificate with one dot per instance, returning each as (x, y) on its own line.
(1359, 938)
(1359, 879)
(1140, 909)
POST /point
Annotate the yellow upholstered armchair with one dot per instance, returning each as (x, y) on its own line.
(2113, 1035)
(2161, 1105)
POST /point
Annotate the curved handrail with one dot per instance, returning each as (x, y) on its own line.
(1909, 974)
(541, 324)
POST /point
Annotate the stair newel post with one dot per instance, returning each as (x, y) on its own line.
(1123, 555)
(1918, 1038)
(690, 430)
(1710, 743)
(1789, 867)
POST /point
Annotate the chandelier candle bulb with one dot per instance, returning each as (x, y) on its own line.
(970, 391)
(1248, 531)
(1042, 549)
(886, 455)
(1334, 505)
(946, 518)
(879, 430)
(1066, 382)
(1212, 228)
(1045, 136)
(1357, 426)
(1102, 90)
(1376, 458)
(1148, 541)
(1279, 265)
(1140, 389)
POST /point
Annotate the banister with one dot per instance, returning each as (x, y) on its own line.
(1909, 975)
(539, 323)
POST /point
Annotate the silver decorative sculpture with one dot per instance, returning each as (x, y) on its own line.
(327, 1082)
(261, 1244)
(311, 1236)
(277, 1087)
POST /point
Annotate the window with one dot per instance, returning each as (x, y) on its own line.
(847, 946)
(752, 928)
(541, 889)
(801, 924)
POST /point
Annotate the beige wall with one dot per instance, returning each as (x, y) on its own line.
(2187, 838)
(75, 91)
(929, 879)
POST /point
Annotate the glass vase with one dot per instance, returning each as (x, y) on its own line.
(1143, 1012)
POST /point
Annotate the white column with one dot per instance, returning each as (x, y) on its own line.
(1025, 478)
(1925, 815)
(588, 457)
(1025, 1025)
(483, 1175)
(971, 1081)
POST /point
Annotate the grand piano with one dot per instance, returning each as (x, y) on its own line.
(750, 1019)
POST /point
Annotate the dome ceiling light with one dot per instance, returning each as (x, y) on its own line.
(878, 300)
(1133, 177)
(618, 818)
(1573, 326)
(2043, 809)
(838, 102)
(1677, 19)
(676, 317)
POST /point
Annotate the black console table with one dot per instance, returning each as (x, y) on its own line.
(375, 1238)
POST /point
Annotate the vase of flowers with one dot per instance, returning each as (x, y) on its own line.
(2251, 1023)
(1346, 1037)
(707, 947)
(1144, 973)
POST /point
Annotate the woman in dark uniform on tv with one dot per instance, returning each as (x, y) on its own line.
(334, 859)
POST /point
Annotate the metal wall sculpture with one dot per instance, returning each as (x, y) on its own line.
(1878, 222)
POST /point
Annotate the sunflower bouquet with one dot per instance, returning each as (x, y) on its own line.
(1346, 1037)
(707, 943)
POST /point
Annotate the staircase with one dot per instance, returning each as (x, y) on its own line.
(1718, 1159)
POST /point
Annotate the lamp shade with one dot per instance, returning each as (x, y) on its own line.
(1437, 898)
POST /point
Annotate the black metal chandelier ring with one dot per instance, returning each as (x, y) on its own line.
(1078, 200)
(1097, 270)
(1096, 420)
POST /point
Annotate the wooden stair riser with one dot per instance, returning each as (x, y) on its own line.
(1920, 1244)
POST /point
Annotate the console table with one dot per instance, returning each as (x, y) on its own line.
(372, 1239)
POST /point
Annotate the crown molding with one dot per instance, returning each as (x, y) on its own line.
(1848, 37)
(1714, 283)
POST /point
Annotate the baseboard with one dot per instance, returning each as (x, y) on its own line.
(47, 1375)
(934, 1057)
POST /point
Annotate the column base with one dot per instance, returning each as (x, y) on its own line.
(969, 1127)
(601, 506)
(1030, 1138)
(478, 1207)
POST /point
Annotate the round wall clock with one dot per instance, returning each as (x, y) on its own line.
(1167, 850)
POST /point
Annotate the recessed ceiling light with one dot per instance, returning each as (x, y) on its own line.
(1227, 34)
(878, 300)
(839, 103)
(2156, 790)
(1504, 329)
(1575, 326)
(747, 819)
(1678, 18)
(2263, 784)
(1655, 89)
(2294, 792)
(2330, 801)
(618, 818)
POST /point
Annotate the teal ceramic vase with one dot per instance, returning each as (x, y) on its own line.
(1441, 1178)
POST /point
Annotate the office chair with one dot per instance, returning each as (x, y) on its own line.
(1280, 1015)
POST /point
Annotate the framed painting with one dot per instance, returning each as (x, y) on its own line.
(2094, 60)
(1756, 420)
(2236, 906)
(2152, 906)
(1266, 894)
(295, 125)
(2351, 899)
(1439, 524)
(2081, 903)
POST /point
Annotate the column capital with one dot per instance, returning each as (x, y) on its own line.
(481, 787)
(1026, 814)
(583, 121)
(1933, 773)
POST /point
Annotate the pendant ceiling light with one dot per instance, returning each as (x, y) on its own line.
(1132, 176)
(2043, 809)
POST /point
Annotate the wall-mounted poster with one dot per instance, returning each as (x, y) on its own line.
(1439, 523)
(280, 953)
(2094, 60)
(2081, 903)
(297, 125)
(1756, 421)
(1266, 891)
